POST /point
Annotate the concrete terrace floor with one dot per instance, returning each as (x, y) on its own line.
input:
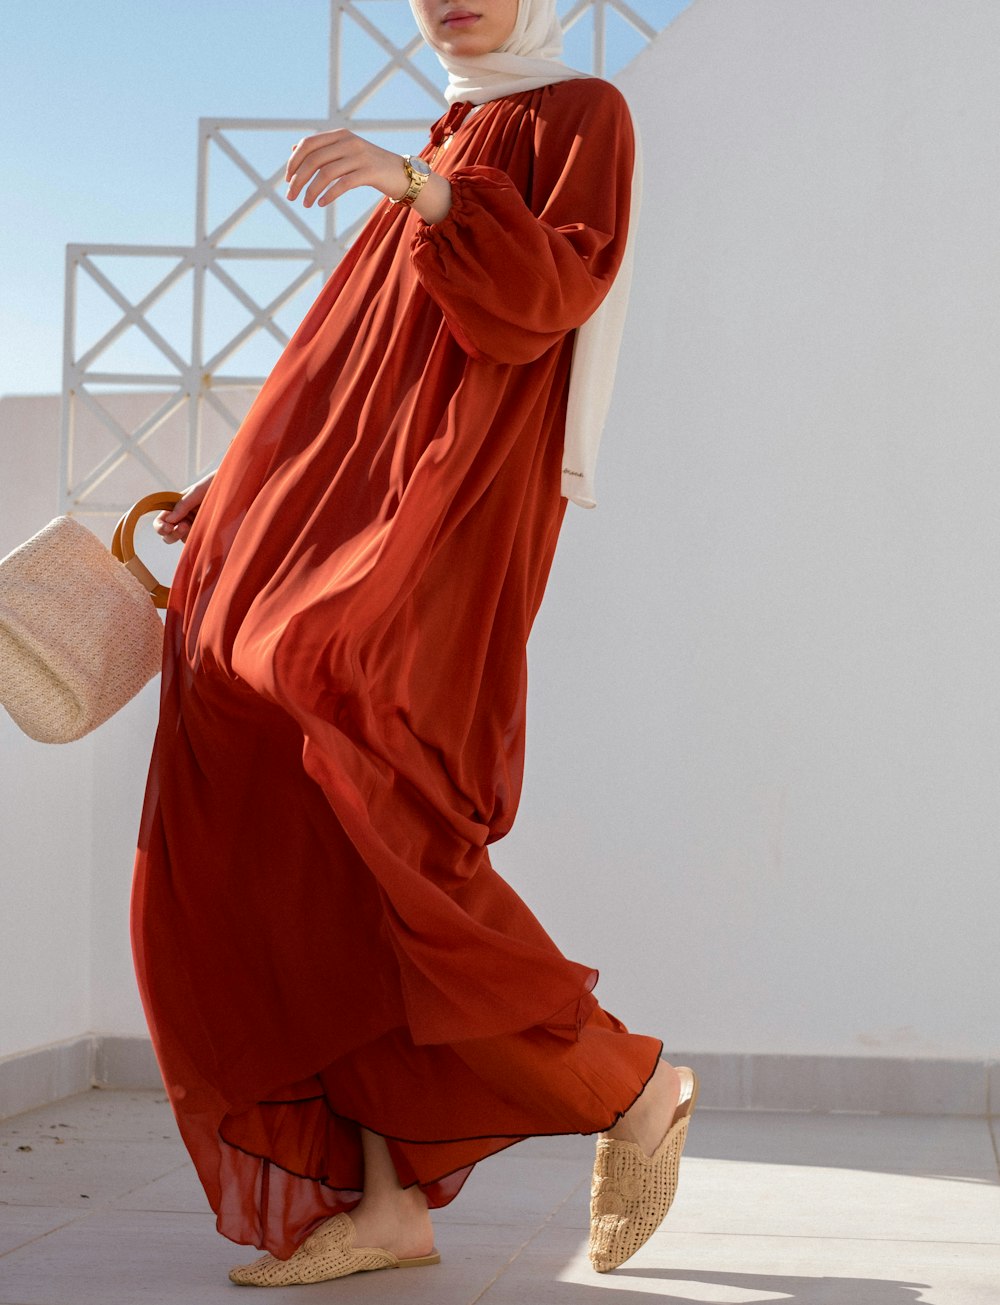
(99, 1206)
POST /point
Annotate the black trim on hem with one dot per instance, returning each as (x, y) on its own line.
(510, 1139)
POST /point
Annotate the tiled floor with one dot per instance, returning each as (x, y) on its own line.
(99, 1206)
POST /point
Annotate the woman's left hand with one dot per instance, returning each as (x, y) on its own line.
(331, 163)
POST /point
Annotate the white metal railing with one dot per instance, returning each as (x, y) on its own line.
(154, 391)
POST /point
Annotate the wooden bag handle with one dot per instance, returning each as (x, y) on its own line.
(123, 543)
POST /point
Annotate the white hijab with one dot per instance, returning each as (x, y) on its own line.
(527, 60)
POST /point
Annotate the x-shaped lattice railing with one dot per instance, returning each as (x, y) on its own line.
(190, 381)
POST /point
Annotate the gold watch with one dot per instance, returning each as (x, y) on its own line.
(417, 171)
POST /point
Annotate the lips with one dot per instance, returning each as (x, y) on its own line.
(459, 18)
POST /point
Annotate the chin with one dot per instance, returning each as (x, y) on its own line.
(465, 47)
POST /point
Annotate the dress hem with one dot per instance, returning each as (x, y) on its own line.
(509, 1139)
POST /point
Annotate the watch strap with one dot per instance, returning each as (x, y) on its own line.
(417, 182)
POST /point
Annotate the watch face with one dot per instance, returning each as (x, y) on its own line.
(421, 166)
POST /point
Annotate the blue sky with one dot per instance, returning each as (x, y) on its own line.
(99, 108)
(99, 105)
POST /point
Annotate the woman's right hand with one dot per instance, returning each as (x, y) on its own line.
(176, 524)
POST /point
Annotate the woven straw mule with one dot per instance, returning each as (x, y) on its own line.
(631, 1191)
(327, 1253)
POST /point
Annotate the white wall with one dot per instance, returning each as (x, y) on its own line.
(46, 813)
(764, 730)
(765, 744)
(120, 762)
(68, 814)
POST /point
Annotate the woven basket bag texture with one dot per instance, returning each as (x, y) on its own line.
(79, 635)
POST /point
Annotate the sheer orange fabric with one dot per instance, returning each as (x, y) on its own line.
(320, 938)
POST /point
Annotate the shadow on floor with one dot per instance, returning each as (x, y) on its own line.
(793, 1290)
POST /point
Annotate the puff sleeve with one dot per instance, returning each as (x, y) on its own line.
(514, 273)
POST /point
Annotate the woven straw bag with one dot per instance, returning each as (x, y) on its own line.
(79, 636)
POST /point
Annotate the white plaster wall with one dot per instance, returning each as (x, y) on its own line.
(765, 745)
(46, 813)
(68, 814)
(764, 730)
(120, 762)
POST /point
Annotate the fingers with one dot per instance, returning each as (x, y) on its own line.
(171, 532)
(320, 167)
(317, 182)
(189, 500)
(310, 153)
(330, 184)
(329, 164)
(175, 525)
(308, 144)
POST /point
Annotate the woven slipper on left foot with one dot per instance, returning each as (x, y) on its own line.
(327, 1253)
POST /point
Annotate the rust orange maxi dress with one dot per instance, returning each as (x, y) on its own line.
(321, 941)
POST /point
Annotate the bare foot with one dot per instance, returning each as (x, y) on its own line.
(651, 1114)
(399, 1223)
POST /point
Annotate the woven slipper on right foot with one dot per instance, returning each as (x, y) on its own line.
(631, 1191)
(327, 1253)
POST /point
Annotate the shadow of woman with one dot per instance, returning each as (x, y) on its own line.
(790, 1289)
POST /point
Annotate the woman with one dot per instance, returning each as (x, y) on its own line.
(350, 1007)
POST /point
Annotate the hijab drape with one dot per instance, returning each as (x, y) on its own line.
(527, 60)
